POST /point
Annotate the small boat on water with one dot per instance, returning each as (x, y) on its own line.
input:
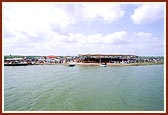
(103, 65)
(71, 64)
(16, 64)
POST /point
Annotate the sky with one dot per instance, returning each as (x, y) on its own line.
(69, 29)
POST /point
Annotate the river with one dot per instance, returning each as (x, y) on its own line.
(83, 88)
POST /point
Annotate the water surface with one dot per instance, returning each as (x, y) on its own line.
(83, 88)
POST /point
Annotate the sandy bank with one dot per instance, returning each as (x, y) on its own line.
(118, 64)
(108, 64)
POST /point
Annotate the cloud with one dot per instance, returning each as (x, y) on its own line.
(36, 18)
(75, 43)
(45, 29)
(71, 38)
(33, 18)
(148, 40)
(116, 38)
(112, 38)
(148, 13)
(28, 27)
(107, 12)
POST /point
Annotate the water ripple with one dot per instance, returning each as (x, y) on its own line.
(85, 88)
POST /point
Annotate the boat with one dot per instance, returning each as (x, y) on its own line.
(103, 65)
(16, 64)
(71, 64)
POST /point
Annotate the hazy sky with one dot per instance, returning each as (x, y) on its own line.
(71, 29)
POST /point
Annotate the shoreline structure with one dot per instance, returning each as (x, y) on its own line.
(118, 64)
(85, 60)
(108, 64)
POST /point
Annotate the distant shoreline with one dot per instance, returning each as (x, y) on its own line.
(120, 64)
(108, 64)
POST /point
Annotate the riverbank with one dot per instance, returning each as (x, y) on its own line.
(120, 64)
(98, 64)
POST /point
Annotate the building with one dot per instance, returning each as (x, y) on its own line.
(107, 58)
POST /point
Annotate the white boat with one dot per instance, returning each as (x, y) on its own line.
(103, 65)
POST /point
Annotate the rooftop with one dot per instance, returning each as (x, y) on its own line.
(104, 55)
